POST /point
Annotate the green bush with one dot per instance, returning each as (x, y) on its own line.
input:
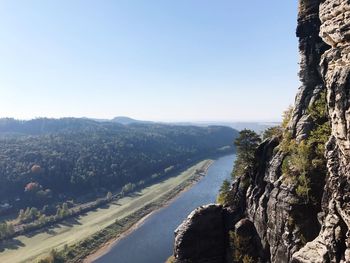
(239, 247)
(276, 131)
(287, 115)
(170, 260)
(305, 161)
(54, 257)
(223, 193)
(248, 259)
(303, 188)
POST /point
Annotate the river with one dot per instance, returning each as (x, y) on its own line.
(153, 241)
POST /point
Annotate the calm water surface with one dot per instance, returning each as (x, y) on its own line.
(153, 241)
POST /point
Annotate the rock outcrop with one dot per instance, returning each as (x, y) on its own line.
(333, 242)
(202, 236)
(279, 224)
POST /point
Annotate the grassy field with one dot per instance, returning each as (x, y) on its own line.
(29, 247)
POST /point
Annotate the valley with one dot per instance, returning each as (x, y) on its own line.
(29, 247)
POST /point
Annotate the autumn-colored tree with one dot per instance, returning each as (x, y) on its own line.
(36, 168)
(32, 187)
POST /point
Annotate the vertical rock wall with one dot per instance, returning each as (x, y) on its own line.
(333, 243)
(287, 228)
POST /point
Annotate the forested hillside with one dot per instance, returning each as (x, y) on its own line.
(44, 160)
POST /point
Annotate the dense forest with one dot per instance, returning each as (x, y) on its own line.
(44, 160)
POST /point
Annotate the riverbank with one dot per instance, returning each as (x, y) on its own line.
(167, 200)
(153, 240)
(93, 247)
(85, 234)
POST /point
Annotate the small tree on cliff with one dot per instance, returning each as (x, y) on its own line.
(276, 131)
(223, 193)
(246, 144)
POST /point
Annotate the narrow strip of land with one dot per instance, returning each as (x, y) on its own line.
(29, 247)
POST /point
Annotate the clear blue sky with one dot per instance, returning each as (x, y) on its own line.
(168, 60)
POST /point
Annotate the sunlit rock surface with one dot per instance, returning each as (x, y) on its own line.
(287, 229)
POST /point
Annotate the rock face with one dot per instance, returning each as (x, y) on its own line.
(202, 236)
(280, 226)
(333, 243)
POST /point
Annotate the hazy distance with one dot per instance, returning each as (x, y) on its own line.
(159, 60)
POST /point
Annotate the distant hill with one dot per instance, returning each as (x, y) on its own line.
(41, 126)
(126, 120)
(73, 156)
(46, 125)
(258, 127)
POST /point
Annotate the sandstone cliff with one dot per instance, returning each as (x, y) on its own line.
(273, 218)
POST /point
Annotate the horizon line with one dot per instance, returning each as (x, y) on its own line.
(151, 120)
